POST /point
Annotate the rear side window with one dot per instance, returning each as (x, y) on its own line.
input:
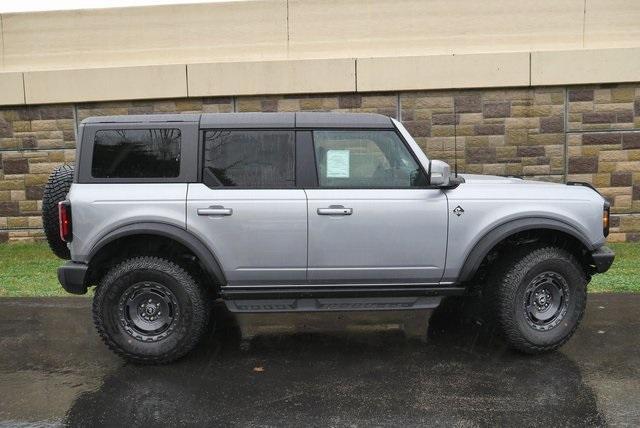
(136, 153)
(249, 159)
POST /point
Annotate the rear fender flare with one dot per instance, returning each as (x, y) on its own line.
(208, 259)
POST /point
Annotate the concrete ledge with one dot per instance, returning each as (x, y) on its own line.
(272, 77)
(490, 70)
(105, 84)
(443, 71)
(257, 30)
(11, 89)
(585, 66)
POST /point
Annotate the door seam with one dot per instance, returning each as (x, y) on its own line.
(186, 204)
(306, 270)
(446, 244)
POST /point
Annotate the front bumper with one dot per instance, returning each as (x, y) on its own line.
(72, 277)
(603, 258)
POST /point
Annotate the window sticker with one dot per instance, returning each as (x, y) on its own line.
(338, 163)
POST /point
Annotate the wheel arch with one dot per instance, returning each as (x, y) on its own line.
(208, 261)
(504, 231)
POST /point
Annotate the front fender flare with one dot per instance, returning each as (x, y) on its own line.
(499, 233)
(207, 258)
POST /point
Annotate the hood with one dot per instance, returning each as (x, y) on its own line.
(559, 190)
(495, 179)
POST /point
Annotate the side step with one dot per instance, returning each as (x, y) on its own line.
(305, 298)
(331, 305)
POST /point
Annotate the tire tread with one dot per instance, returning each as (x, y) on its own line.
(505, 280)
(199, 308)
(55, 191)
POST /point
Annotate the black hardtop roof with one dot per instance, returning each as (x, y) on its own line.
(144, 118)
(258, 120)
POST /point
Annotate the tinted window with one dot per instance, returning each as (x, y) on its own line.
(365, 159)
(249, 159)
(136, 153)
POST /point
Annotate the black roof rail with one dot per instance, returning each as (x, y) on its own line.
(584, 184)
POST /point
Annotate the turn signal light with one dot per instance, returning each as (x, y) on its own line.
(64, 218)
(606, 212)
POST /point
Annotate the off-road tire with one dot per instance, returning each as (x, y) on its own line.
(508, 283)
(192, 308)
(56, 191)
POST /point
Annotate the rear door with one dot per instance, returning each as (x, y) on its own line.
(131, 171)
(247, 207)
(372, 218)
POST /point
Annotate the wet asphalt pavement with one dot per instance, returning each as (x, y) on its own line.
(330, 369)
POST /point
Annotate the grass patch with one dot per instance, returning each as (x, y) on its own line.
(624, 275)
(30, 270)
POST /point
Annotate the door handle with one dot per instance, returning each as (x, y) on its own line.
(335, 210)
(217, 210)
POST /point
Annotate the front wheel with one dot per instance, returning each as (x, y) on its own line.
(150, 310)
(540, 298)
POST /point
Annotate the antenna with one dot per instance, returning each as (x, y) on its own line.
(455, 139)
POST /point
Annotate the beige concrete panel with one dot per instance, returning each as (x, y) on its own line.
(1, 45)
(443, 71)
(612, 23)
(11, 89)
(220, 31)
(272, 77)
(585, 66)
(347, 28)
(124, 83)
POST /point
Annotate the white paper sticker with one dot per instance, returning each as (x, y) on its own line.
(338, 163)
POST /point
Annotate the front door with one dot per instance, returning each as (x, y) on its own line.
(373, 218)
(247, 208)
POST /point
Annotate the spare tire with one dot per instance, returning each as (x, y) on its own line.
(56, 191)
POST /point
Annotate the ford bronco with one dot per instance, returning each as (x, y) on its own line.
(278, 212)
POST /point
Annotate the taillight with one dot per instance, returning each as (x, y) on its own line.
(64, 217)
(606, 213)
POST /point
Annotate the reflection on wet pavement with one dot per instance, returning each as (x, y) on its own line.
(359, 369)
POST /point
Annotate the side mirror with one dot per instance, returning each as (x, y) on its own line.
(439, 174)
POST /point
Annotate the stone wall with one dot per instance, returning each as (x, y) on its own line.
(589, 133)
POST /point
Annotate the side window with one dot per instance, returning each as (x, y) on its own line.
(365, 159)
(251, 158)
(136, 153)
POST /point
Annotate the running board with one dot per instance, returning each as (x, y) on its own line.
(330, 305)
(304, 298)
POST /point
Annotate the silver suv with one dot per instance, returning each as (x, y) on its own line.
(280, 212)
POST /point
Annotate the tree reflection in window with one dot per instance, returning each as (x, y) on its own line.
(249, 158)
(136, 153)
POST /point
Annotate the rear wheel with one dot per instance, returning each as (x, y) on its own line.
(540, 297)
(150, 310)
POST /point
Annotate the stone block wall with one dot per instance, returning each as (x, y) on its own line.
(589, 133)
(33, 141)
(603, 148)
(500, 132)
